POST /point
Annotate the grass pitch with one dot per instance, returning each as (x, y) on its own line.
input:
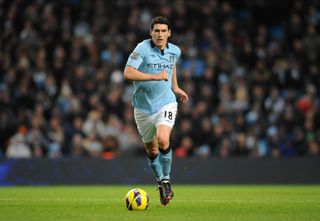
(197, 202)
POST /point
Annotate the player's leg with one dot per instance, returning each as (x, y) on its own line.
(165, 122)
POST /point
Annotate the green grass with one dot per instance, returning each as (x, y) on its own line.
(197, 202)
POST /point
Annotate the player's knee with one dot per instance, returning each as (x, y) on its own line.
(152, 153)
(163, 143)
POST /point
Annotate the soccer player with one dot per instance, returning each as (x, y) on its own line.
(152, 68)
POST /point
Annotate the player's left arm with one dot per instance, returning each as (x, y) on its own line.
(176, 89)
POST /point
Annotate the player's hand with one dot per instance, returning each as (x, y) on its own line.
(163, 75)
(182, 95)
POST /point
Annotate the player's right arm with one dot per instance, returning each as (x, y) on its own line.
(132, 74)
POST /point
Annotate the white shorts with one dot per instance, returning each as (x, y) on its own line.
(147, 124)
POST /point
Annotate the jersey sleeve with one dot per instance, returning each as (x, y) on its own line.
(136, 57)
(178, 52)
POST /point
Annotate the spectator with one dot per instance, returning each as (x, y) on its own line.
(18, 147)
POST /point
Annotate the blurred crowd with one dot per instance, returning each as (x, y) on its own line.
(251, 69)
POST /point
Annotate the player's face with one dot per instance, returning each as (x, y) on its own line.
(160, 34)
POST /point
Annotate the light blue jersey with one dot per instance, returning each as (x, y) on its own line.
(150, 96)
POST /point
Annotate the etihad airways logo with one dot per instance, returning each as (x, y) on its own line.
(160, 66)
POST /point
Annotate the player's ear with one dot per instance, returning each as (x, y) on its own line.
(169, 32)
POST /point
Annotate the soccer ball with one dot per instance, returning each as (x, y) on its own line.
(137, 199)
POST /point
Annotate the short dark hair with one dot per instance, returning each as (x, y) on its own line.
(160, 20)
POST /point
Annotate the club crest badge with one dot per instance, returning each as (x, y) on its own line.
(134, 55)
